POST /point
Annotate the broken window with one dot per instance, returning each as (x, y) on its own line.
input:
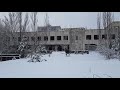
(104, 36)
(96, 37)
(76, 37)
(52, 38)
(45, 38)
(88, 37)
(58, 37)
(39, 38)
(65, 37)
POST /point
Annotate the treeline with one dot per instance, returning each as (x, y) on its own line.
(108, 47)
(16, 22)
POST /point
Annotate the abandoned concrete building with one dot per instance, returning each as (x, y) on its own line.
(57, 38)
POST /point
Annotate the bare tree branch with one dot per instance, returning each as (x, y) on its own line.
(34, 28)
(26, 22)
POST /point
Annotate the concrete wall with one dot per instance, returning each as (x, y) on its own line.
(76, 44)
(92, 33)
(71, 33)
(55, 34)
(42, 34)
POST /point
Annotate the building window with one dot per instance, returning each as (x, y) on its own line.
(65, 37)
(58, 37)
(45, 38)
(88, 37)
(113, 36)
(39, 38)
(76, 37)
(52, 38)
(104, 36)
(96, 37)
(33, 38)
(18, 39)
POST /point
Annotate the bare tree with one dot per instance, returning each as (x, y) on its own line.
(46, 22)
(34, 21)
(1, 36)
(26, 22)
(16, 25)
(11, 27)
(20, 24)
(107, 20)
(23, 26)
(11, 22)
(47, 28)
(99, 26)
(106, 49)
(99, 31)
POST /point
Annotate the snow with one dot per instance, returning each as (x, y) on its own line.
(91, 65)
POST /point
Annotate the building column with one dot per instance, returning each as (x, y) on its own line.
(55, 47)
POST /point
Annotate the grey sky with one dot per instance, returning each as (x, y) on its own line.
(70, 19)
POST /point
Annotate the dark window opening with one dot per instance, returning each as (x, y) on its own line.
(58, 37)
(65, 37)
(39, 38)
(52, 38)
(104, 36)
(76, 37)
(45, 38)
(113, 36)
(88, 37)
(96, 37)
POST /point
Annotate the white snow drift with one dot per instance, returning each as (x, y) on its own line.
(58, 65)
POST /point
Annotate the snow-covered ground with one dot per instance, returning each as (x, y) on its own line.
(58, 65)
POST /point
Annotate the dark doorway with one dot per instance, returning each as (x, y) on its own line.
(68, 47)
(59, 48)
(91, 47)
(51, 47)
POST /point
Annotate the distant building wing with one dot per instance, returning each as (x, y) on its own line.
(49, 28)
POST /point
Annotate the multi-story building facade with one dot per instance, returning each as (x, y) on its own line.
(56, 38)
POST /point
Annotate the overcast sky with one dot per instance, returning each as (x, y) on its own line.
(70, 19)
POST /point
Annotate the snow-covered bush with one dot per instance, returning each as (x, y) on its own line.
(37, 56)
(108, 53)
